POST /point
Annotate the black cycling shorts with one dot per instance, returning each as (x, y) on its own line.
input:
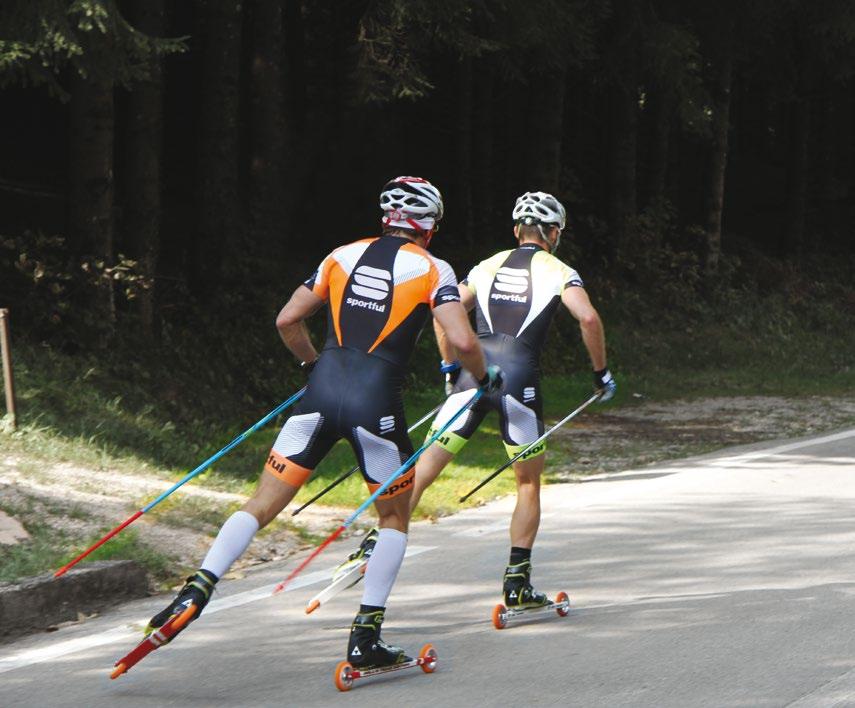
(519, 403)
(350, 395)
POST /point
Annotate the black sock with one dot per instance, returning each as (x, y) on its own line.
(519, 555)
(368, 609)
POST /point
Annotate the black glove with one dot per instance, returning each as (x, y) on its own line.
(493, 380)
(452, 373)
(307, 366)
(605, 384)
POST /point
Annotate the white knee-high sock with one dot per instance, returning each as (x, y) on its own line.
(383, 567)
(232, 540)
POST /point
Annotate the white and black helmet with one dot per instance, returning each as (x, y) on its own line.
(411, 203)
(539, 208)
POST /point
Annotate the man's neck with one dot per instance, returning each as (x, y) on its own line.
(412, 238)
(538, 243)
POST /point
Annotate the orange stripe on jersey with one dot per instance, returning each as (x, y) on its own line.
(286, 471)
(408, 295)
(321, 285)
(336, 281)
(399, 486)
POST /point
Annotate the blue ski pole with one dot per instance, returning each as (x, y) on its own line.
(190, 475)
(382, 488)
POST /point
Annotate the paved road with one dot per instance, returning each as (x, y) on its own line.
(727, 580)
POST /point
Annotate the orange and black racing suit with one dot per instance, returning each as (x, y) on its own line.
(380, 291)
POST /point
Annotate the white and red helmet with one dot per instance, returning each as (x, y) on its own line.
(411, 203)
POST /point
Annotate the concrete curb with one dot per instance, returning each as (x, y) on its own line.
(43, 601)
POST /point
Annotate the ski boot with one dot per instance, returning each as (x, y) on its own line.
(359, 557)
(197, 591)
(170, 622)
(517, 589)
(368, 655)
(365, 649)
(522, 599)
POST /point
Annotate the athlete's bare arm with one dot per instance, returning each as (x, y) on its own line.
(457, 333)
(578, 303)
(292, 329)
(446, 350)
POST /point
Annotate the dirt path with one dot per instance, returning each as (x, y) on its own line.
(648, 432)
(75, 500)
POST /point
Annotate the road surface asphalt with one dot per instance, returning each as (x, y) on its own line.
(723, 580)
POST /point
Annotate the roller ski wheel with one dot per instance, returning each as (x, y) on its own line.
(156, 639)
(502, 615)
(341, 583)
(428, 657)
(345, 673)
(343, 676)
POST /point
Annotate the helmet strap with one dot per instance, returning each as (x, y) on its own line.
(426, 234)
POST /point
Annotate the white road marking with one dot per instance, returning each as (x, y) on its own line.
(838, 692)
(769, 452)
(496, 526)
(131, 629)
(730, 460)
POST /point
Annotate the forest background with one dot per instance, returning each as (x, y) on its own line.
(170, 170)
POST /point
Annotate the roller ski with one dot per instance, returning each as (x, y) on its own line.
(346, 673)
(368, 655)
(522, 599)
(347, 574)
(166, 624)
(156, 639)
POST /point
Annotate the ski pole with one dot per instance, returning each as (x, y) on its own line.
(532, 445)
(382, 488)
(353, 469)
(190, 475)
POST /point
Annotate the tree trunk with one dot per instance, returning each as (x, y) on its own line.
(482, 162)
(797, 182)
(267, 140)
(662, 100)
(721, 89)
(463, 187)
(827, 133)
(217, 199)
(297, 143)
(294, 51)
(91, 188)
(623, 165)
(546, 160)
(143, 156)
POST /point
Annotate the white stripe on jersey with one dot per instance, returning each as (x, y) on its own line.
(446, 275)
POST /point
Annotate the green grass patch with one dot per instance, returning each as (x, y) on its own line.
(127, 546)
(49, 548)
(190, 512)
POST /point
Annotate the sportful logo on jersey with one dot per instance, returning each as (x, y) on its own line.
(387, 424)
(528, 394)
(511, 282)
(370, 283)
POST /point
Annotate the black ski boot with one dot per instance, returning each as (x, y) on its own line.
(365, 648)
(517, 588)
(197, 590)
